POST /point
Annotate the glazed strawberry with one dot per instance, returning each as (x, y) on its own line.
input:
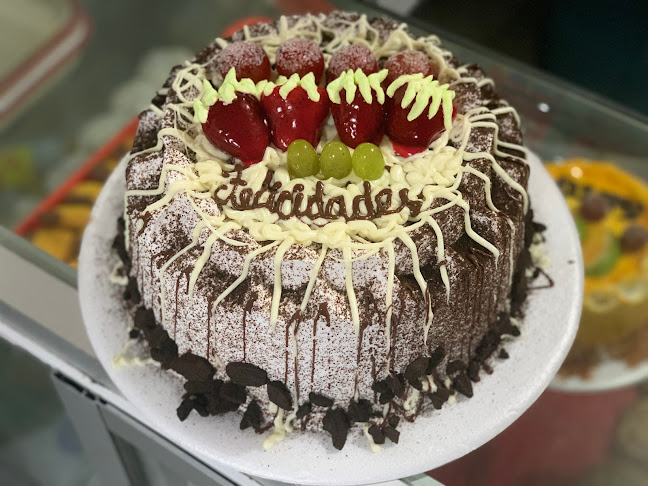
(301, 56)
(411, 137)
(351, 57)
(358, 122)
(296, 116)
(238, 128)
(247, 58)
(408, 62)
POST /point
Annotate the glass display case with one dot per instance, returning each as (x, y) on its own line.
(77, 125)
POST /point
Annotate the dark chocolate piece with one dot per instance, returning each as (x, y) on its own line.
(437, 356)
(320, 400)
(192, 367)
(360, 411)
(233, 392)
(303, 410)
(246, 374)
(417, 368)
(252, 417)
(455, 366)
(376, 434)
(185, 408)
(439, 397)
(279, 394)
(144, 318)
(393, 420)
(463, 385)
(391, 433)
(336, 423)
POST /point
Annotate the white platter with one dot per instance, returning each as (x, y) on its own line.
(609, 374)
(433, 440)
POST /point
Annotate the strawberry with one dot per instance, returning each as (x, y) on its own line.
(408, 62)
(355, 56)
(301, 56)
(358, 122)
(238, 128)
(296, 116)
(411, 137)
(247, 58)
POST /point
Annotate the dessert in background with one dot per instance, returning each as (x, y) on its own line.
(610, 207)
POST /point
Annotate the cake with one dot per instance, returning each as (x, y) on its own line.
(326, 227)
(610, 207)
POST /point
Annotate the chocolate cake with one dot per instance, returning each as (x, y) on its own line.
(316, 302)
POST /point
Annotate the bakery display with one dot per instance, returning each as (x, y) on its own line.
(324, 232)
(610, 207)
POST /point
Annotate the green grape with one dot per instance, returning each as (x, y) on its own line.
(335, 160)
(368, 162)
(302, 159)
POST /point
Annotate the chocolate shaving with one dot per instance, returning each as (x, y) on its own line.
(393, 420)
(279, 394)
(246, 374)
(503, 354)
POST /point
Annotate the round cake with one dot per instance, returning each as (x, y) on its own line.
(610, 207)
(326, 227)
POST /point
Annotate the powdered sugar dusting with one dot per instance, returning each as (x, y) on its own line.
(241, 55)
(299, 55)
(352, 57)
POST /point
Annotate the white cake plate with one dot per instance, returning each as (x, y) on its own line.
(609, 374)
(307, 458)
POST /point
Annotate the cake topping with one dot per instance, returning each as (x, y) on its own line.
(246, 374)
(336, 423)
(279, 394)
(252, 417)
(408, 62)
(413, 129)
(634, 238)
(192, 367)
(358, 114)
(594, 207)
(295, 114)
(368, 162)
(238, 128)
(320, 400)
(301, 56)
(335, 160)
(355, 56)
(302, 159)
(247, 58)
